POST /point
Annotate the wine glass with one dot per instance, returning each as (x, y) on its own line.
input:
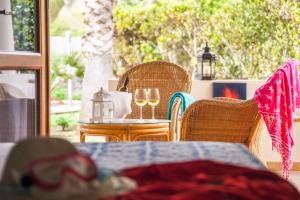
(153, 99)
(140, 98)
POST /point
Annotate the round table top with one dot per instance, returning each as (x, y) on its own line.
(129, 121)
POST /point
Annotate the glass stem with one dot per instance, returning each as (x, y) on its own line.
(141, 112)
(153, 110)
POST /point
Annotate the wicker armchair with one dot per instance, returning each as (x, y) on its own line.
(168, 78)
(224, 120)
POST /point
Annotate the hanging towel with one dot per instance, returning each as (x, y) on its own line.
(277, 101)
(186, 100)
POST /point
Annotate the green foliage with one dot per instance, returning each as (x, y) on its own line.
(77, 95)
(54, 8)
(23, 24)
(132, 2)
(59, 27)
(74, 60)
(59, 93)
(64, 67)
(251, 38)
(59, 119)
(60, 65)
(63, 122)
(70, 18)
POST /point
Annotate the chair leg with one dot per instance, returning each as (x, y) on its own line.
(111, 139)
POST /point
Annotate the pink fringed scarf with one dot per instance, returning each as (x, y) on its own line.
(277, 101)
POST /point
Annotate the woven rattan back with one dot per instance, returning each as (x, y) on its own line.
(167, 77)
(222, 119)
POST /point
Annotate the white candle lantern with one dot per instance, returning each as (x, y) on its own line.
(103, 108)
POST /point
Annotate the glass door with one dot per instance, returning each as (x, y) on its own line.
(23, 69)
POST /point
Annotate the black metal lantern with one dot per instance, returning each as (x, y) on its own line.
(206, 64)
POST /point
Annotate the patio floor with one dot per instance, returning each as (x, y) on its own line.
(73, 135)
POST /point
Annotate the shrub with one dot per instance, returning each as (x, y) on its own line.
(60, 73)
(250, 43)
(63, 122)
(77, 95)
(60, 93)
(71, 118)
(24, 24)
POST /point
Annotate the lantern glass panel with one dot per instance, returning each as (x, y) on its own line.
(213, 68)
(206, 68)
(102, 111)
(96, 109)
(107, 110)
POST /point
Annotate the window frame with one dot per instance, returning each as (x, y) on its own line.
(38, 62)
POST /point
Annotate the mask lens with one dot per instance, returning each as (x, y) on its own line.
(49, 172)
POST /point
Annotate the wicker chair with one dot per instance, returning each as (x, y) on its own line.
(168, 78)
(224, 120)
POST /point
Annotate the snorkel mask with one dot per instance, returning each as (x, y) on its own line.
(49, 173)
(66, 175)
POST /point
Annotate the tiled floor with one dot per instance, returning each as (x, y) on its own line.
(73, 135)
(295, 178)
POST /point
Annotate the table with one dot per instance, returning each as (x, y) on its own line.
(122, 155)
(126, 129)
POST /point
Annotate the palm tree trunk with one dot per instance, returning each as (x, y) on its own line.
(97, 48)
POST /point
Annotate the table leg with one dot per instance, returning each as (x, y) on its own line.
(82, 137)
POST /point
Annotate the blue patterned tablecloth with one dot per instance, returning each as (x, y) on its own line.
(123, 155)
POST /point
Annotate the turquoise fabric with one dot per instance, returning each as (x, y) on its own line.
(186, 100)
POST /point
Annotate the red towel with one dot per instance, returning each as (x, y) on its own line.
(277, 101)
(206, 180)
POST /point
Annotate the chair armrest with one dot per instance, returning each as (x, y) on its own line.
(255, 144)
(175, 120)
(226, 99)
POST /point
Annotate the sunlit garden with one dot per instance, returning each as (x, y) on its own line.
(250, 39)
(113, 99)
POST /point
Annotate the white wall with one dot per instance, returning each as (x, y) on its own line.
(6, 28)
(59, 45)
(203, 90)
